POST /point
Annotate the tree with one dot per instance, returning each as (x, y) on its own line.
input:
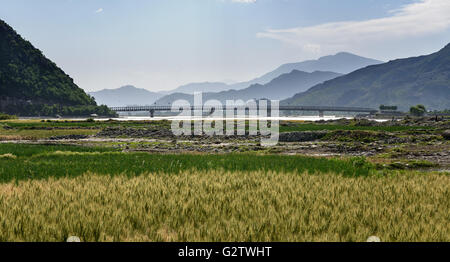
(418, 110)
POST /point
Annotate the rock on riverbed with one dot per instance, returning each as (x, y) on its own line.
(302, 136)
(446, 135)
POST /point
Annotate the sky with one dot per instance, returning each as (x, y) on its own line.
(162, 44)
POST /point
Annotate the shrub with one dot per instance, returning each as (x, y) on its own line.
(418, 110)
(7, 117)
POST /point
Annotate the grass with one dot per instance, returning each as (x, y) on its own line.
(28, 150)
(27, 124)
(227, 206)
(43, 162)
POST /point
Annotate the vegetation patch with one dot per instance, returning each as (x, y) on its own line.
(8, 156)
(33, 134)
(24, 151)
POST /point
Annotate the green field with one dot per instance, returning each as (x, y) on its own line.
(41, 162)
(28, 124)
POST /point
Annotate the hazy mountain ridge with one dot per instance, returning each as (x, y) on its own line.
(125, 96)
(342, 63)
(402, 82)
(279, 88)
(201, 87)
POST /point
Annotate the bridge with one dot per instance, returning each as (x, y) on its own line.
(320, 109)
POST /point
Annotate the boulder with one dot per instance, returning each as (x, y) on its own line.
(446, 135)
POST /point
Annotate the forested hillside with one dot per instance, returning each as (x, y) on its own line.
(31, 84)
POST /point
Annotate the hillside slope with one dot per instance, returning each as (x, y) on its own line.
(403, 82)
(30, 83)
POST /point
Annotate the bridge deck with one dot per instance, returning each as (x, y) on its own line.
(281, 108)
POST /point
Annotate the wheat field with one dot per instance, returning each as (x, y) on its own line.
(227, 206)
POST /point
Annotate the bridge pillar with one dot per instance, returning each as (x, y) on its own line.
(321, 114)
(152, 113)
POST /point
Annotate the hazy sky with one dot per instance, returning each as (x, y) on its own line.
(161, 44)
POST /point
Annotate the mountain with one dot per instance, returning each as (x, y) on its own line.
(125, 96)
(31, 84)
(403, 82)
(281, 87)
(342, 63)
(202, 87)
